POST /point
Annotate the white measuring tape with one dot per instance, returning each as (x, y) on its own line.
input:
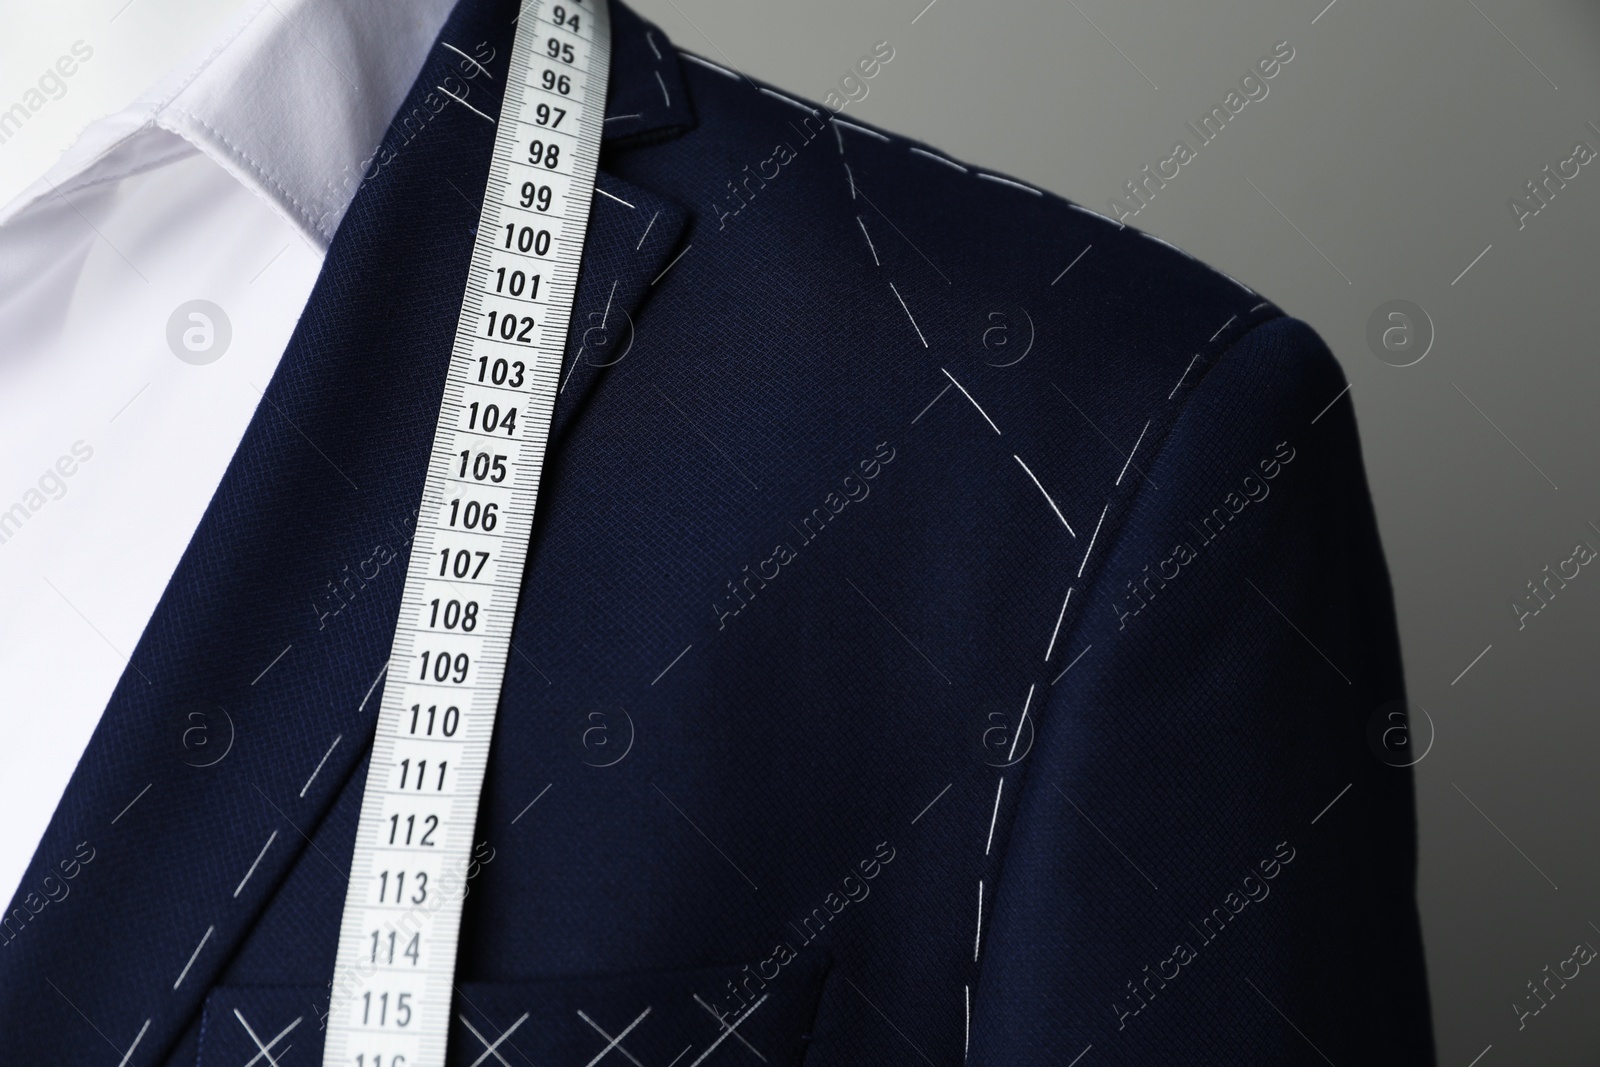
(395, 974)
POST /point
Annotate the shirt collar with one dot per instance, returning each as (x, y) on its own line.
(294, 96)
(290, 98)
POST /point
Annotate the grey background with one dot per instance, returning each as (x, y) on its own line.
(1389, 147)
(1392, 141)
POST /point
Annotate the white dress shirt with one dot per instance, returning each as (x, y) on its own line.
(149, 282)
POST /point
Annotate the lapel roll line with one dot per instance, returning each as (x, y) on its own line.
(273, 634)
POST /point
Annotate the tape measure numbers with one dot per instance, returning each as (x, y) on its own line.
(395, 973)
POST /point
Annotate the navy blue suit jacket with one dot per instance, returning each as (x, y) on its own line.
(952, 631)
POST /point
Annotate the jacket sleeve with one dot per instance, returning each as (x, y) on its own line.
(1213, 858)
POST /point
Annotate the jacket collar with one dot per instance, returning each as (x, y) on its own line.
(633, 232)
(647, 100)
(331, 465)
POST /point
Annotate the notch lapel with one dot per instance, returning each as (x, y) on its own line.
(633, 237)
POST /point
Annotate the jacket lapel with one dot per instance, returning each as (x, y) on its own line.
(252, 694)
(633, 236)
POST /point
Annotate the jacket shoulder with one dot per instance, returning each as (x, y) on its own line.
(998, 231)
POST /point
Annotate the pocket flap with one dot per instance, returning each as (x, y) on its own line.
(662, 1019)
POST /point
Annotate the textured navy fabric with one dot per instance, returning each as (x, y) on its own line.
(952, 630)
